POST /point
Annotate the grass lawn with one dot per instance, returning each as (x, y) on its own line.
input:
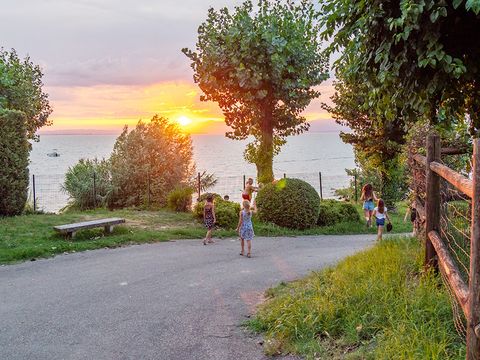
(31, 236)
(372, 305)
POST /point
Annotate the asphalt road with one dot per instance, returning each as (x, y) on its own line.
(176, 300)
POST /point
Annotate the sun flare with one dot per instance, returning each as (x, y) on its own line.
(184, 121)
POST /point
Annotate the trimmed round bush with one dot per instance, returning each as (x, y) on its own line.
(180, 199)
(291, 203)
(226, 212)
(334, 211)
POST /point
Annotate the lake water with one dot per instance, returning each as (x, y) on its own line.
(303, 156)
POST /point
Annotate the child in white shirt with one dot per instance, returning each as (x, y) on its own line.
(380, 213)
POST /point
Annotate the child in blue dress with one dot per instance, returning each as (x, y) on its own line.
(245, 227)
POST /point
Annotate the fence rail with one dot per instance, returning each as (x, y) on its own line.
(452, 237)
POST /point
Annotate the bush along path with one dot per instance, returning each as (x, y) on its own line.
(372, 305)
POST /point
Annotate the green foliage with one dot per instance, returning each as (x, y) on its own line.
(226, 212)
(291, 203)
(21, 89)
(180, 199)
(206, 181)
(79, 184)
(417, 57)
(373, 305)
(260, 66)
(333, 212)
(14, 154)
(389, 183)
(203, 197)
(377, 141)
(156, 155)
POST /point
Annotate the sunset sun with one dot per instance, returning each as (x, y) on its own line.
(184, 121)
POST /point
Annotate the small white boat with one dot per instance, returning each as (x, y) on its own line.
(53, 154)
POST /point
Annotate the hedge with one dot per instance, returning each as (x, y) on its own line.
(291, 203)
(14, 153)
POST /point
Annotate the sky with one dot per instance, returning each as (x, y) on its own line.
(108, 63)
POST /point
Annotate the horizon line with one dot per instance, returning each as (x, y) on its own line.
(111, 133)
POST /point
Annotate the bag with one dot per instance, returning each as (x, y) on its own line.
(389, 227)
(413, 215)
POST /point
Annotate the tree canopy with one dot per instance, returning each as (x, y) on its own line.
(21, 89)
(377, 141)
(155, 156)
(260, 64)
(421, 57)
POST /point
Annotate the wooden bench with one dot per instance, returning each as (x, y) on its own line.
(69, 230)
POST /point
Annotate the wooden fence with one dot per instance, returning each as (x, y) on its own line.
(437, 253)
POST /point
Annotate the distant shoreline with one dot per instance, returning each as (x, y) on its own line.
(111, 133)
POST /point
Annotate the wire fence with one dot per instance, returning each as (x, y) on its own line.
(232, 186)
(47, 193)
(447, 202)
(455, 230)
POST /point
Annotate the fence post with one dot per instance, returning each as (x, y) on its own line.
(473, 322)
(244, 180)
(432, 203)
(149, 190)
(94, 189)
(199, 190)
(356, 190)
(320, 181)
(34, 194)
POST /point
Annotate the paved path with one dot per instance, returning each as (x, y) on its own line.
(177, 300)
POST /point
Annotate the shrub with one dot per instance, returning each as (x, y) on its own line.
(290, 203)
(226, 212)
(349, 212)
(148, 162)
(180, 199)
(203, 197)
(13, 162)
(79, 183)
(333, 211)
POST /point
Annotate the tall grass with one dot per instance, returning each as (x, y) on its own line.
(373, 305)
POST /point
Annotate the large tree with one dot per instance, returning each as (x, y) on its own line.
(377, 141)
(23, 109)
(421, 57)
(260, 64)
(148, 162)
(21, 89)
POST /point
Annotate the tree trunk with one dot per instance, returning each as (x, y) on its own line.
(264, 161)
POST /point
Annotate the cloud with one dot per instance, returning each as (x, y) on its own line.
(117, 71)
(110, 62)
(112, 106)
(87, 42)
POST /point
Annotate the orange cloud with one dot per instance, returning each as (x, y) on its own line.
(112, 106)
(109, 107)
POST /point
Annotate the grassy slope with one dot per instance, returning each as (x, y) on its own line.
(32, 236)
(372, 305)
